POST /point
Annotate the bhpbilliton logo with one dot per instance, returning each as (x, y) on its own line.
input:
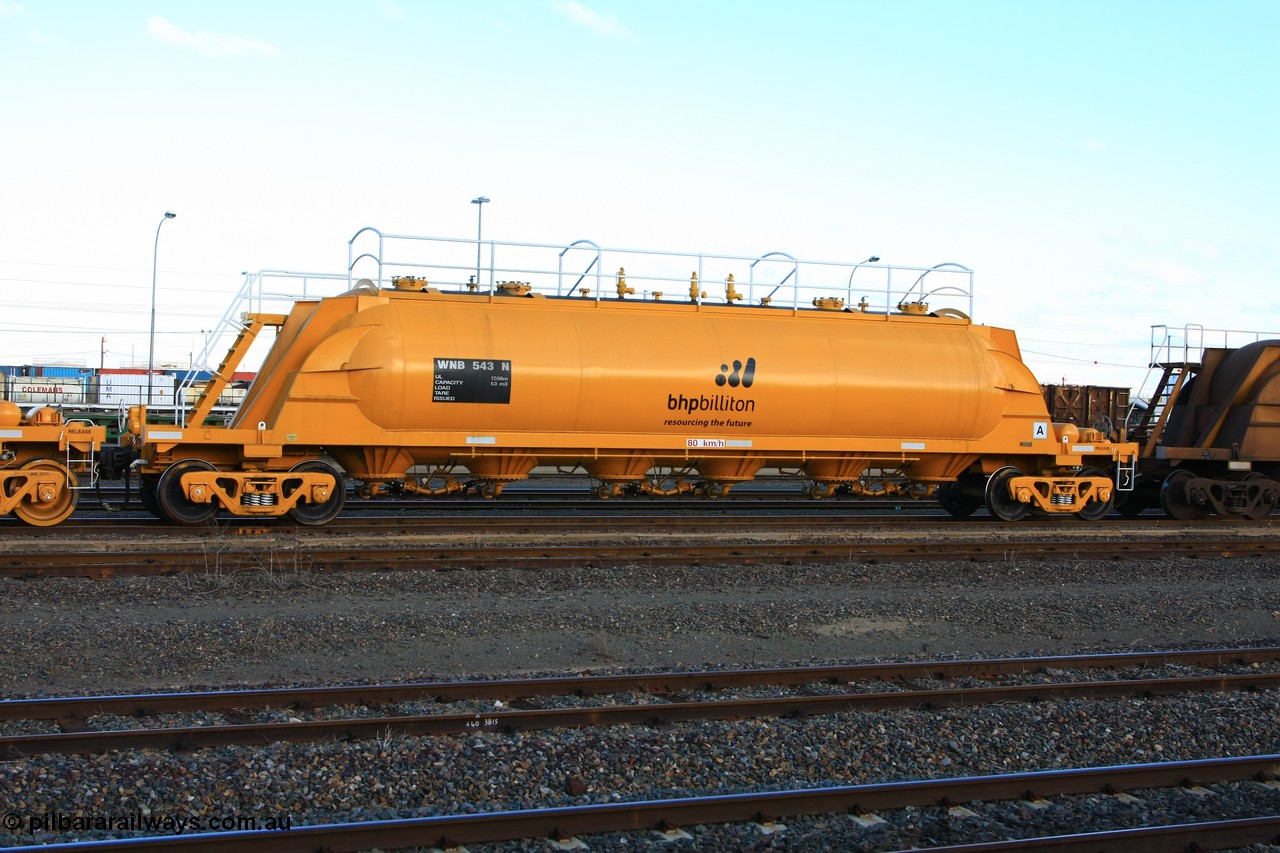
(739, 376)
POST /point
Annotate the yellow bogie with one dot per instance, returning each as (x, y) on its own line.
(1087, 494)
(41, 493)
(192, 491)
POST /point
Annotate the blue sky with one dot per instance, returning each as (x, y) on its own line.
(1102, 166)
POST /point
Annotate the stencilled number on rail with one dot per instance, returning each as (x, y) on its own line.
(482, 723)
(704, 442)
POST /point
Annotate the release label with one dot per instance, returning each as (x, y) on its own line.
(471, 380)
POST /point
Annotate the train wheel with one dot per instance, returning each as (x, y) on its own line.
(999, 503)
(49, 513)
(1264, 508)
(818, 491)
(951, 497)
(1094, 510)
(148, 485)
(172, 501)
(1174, 498)
(1130, 504)
(313, 514)
(604, 491)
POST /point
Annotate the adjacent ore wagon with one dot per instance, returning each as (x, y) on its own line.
(44, 462)
(1210, 431)
(474, 364)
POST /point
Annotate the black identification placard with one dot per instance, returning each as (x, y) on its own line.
(471, 380)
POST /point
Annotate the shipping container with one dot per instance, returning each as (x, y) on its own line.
(44, 390)
(230, 396)
(65, 372)
(1098, 406)
(130, 389)
(62, 372)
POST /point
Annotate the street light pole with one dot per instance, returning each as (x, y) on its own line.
(871, 260)
(151, 348)
(479, 203)
(874, 259)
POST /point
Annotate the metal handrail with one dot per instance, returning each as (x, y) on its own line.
(452, 259)
(249, 299)
(595, 262)
(1185, 347)
(652, 271)
(351, 261)
(795, 271)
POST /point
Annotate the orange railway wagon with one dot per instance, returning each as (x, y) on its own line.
(643, 382)
(44, 462)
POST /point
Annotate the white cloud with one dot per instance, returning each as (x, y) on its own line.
(210, 44)
(1170, 273)
(602, 25)
(1201, 249)
(11, 10)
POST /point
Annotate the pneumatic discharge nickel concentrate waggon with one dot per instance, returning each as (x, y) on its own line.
(468, 370)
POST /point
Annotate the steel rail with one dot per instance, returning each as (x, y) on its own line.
(73, 708)
(448, 831)
(175, 558)
(474, 516)
(1207, 835)
(606, 514)
(188, 738)
(472, 522)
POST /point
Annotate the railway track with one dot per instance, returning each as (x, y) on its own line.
(641, 520)
(530, 542)
(866, 804)
(471, 516)
(860, 803)
(835, 698)
(75, 708)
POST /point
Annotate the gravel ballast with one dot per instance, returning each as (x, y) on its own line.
(76, 636)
